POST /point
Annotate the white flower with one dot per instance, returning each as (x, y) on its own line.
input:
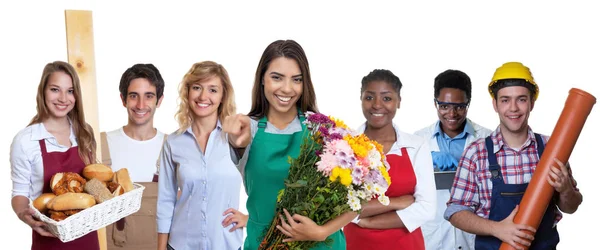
(351, 193)
(355, 206)
(384, 200)
(374, 158)
(378, 189)
(361, 194)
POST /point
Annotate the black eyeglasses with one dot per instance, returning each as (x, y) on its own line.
(445, 107)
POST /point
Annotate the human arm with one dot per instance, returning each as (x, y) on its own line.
(561, 178)
(167, 196)
(21, 173)
(374, 206)
(163, 240)
(465, 201)
(238, 132)
(20, 205)
(423, 209)
(240, 219)
(302, 228)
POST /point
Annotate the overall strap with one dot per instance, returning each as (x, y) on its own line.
(540, 144)
(493, 161)
(262, 123)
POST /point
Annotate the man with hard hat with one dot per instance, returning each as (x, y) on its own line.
(494, 172)
(448, 137)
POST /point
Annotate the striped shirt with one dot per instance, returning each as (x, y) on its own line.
(472, 188)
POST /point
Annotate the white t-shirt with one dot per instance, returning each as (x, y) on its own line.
(139, 157)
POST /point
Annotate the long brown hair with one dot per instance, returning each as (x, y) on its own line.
(200, 72)
(292, 50)
(83, 131)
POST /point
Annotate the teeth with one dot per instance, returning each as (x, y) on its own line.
(284, 99)
(377, 115)
(513, 117)
(141, 113)
(61, 106)
(203, 105)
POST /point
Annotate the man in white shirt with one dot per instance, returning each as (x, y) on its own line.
(448, 137)
(136, 146)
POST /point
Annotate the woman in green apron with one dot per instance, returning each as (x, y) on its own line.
(272, 131)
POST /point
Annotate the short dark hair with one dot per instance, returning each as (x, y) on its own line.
(147, 71)
(382, 75)
(513, 82)
(452, 78)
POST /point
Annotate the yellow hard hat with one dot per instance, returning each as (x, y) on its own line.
(513, 70)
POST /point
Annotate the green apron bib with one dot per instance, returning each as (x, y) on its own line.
(265, 171)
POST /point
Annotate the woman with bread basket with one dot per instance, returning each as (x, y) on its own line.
(195, 159)
(57, 140)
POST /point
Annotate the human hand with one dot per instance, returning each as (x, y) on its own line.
(513, 234)
(238, 128)
(444, 161)
(26, 215)
(559, 177)
(236, 217)
(300, 228)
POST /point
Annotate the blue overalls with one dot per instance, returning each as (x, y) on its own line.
(505, 197)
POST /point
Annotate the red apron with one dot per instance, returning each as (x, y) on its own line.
(404, 181)
(56, 162)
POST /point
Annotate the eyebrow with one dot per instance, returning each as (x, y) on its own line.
(279, 74)
(146, 93)
(384, 92)
(507, 96)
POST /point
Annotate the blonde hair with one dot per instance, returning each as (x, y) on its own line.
(198, 73)
(83, 131)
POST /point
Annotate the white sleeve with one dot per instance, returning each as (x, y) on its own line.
(21, 169)
(423, 209)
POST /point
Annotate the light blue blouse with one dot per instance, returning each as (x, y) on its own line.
(210, 184)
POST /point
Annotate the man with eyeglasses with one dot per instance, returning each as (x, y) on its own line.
(448, 137)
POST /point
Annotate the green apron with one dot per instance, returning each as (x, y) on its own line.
(265, 171)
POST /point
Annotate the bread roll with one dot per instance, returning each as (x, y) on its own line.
(40, 202)
(115, 188)
(99, 191)
(71, 201)
(98, 171)
(122, 177)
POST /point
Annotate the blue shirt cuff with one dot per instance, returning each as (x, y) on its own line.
(453, 208)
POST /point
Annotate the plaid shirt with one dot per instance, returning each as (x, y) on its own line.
(472, 188)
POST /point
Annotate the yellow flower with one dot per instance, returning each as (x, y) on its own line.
(359, 144)
(346, 177)
(385, 174)
(338, 123)
(335, 172)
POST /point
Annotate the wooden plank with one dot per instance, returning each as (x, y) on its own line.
(80, 50)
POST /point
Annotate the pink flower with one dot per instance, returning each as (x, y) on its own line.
(327, 163)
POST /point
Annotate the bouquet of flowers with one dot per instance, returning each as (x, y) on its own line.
(336, 171)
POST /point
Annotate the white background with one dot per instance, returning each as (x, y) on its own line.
(343, 42)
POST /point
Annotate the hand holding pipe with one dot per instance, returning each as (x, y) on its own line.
(560, 145)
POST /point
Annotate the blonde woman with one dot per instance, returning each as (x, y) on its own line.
(56, 140)
(195, 159)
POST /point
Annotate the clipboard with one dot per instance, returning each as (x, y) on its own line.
(444, 180)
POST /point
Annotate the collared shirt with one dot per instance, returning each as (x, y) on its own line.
(472, 188)
(210, 184)
(27, 167)
(455, 146)
(423, 209)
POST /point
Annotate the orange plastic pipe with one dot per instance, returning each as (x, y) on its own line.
(562, 141)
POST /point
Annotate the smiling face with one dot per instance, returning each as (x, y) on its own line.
(59, 95)
(204, 98)
(513, 105)
(141, 101)
(379, 104)
(283, 85)
(452, 117)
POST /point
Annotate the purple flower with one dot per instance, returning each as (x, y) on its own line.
(335, 136)
(319, 118)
